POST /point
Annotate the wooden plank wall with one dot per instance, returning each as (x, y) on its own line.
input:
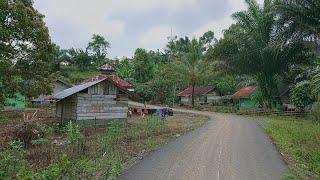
(66, 109)
(100, 107)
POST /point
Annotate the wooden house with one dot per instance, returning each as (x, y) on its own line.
(202, 95)
(103, 97)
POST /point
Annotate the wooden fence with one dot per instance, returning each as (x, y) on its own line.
(258, 112)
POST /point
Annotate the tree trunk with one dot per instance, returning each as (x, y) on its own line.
(192, 96)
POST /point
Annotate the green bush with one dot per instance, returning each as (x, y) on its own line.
(314, 114)
(74, 136)
(301, 94)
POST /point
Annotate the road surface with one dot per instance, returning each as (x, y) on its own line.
(227, 147)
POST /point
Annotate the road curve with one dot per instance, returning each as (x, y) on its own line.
(227, 147)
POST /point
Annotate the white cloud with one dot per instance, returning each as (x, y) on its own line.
(216, 26)
(155, 37)
(96, 16)
(221, 24)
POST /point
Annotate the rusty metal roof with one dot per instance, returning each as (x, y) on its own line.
(245, 92)
(198, 91)
(106, 67)
(118, 81)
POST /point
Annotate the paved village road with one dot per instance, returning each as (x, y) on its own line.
(227, 147)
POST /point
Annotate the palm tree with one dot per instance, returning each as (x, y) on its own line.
(254, 47)
(299, 17)
(192, 68)
(302, 19)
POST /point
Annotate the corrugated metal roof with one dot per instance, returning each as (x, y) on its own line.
(245, 92)
(68, 92)
(198, 91)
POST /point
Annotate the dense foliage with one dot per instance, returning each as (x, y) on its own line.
(25, 50)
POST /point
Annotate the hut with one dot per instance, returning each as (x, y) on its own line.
(244, 99)
(103, 97)
(202, 95)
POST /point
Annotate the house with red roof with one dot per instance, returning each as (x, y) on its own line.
(102, 97)
(202, 95)
(244, 97)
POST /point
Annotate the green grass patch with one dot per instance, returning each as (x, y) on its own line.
(299, 141)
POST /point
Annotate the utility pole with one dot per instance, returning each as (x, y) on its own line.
(171, 39)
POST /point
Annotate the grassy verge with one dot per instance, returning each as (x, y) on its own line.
(298, 141)
(73, 152)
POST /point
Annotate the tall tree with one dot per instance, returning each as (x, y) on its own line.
(25, 50)
(192, 68)
(302, 19)
(254, 47)
(144, 66)
(98, 47)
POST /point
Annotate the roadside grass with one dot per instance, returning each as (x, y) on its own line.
(298, 140)
(75, 152)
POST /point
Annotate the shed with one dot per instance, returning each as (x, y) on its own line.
(103, 97)
(202, 95)
(244, 97)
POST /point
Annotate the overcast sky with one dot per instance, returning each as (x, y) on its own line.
(132, 24)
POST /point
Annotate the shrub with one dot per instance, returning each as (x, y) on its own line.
(27, 132)
(301, 94)
(314, 114)
(74, 135)
(45, 130)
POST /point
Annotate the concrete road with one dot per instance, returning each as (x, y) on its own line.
(227, 147)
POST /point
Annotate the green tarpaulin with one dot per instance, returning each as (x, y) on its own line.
(18, 102)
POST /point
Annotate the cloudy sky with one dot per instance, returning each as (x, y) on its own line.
(132, 24)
